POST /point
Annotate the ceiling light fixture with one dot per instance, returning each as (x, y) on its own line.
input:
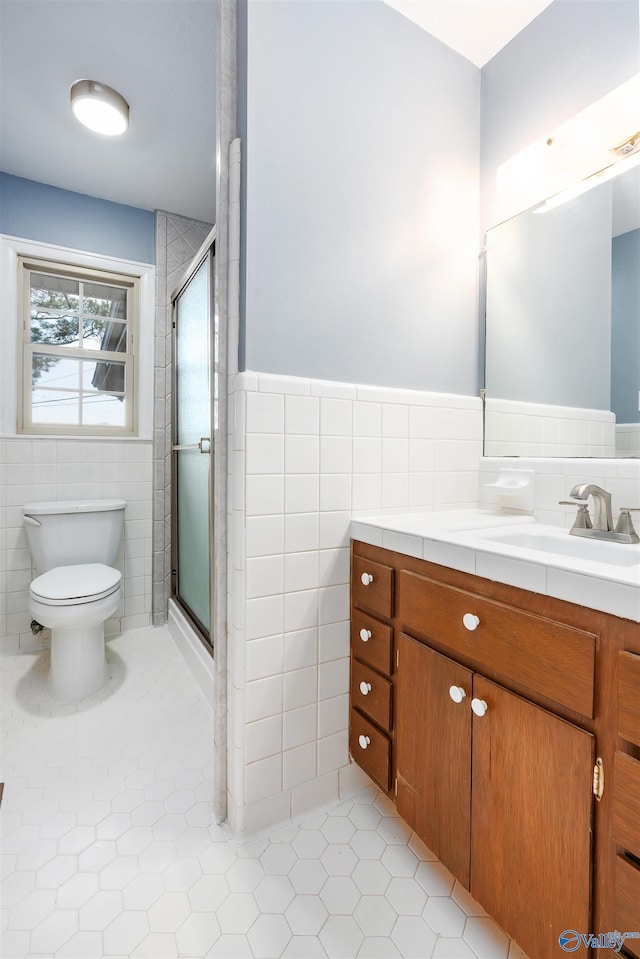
(99, 107)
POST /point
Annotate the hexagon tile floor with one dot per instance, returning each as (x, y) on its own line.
(109, 848)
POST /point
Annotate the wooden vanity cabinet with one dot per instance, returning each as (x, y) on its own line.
(372, 651)
(503, 793)
(433, 752)
(501, 798)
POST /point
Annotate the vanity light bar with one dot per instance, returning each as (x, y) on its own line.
(632, 145)
(621, 166)
(574, 151)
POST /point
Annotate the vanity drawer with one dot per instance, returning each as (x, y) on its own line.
(371, 694)
(629, 697)
(372, 642)
(371, 749)
(555, 660)
(377, 594)
(627, 908)
(626, 802)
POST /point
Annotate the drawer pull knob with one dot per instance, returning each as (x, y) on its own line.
(457, 693)
(470, 621)
(365, 635)
(479, 706)
(365, 688)
(363, 742)
(366, 579)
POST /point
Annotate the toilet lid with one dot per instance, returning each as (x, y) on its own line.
(72, 585)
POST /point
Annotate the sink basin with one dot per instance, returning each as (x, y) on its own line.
(548, 539)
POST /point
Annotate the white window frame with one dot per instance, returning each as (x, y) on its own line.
(13, 421)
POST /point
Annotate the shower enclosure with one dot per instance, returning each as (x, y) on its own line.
(194, 391)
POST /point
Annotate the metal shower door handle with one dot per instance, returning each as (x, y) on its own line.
(204, 445)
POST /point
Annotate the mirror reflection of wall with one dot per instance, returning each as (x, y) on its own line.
(625, 337)
(563, 327)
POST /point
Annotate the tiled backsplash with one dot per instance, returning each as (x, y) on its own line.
(40, 470)
(555, 479)
(306, 456)
(535, 429)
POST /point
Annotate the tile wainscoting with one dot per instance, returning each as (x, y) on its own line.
(305, 456)
(40, 470)
(628, 439)
(536, 429)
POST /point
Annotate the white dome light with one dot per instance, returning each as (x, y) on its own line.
(99, 107)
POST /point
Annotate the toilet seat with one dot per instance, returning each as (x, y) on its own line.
(75, 585)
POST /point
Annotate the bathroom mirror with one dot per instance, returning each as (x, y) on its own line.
(562, 361)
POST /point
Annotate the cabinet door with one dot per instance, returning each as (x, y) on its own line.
(531, 817)
(433, 756)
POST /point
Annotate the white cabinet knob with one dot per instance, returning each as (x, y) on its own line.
(365, 688)
(363, 741)
(365, 635)
(366, 579)
(457, 693)
(470, 621)
(479, 706)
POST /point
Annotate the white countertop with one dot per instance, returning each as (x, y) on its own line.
(450, 538)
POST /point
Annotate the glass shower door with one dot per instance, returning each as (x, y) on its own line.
(191, 474)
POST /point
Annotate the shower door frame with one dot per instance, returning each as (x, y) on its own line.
(206, 251)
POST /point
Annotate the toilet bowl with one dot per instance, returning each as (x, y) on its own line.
(74, 602)
(73, 545)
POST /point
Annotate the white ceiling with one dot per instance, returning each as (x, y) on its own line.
(160, 55)
(477, 29)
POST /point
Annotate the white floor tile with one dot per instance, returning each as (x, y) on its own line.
(486, 939)
(375, 915)
(378, 947)
(269, 936)
(407, 897)
(341, 937)
(413, 937)
(197, 934)
(444, 916)
(340, 895)
(306, 915)
(110, 850)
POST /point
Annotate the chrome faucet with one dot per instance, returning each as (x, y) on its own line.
(602, 519)
(602, 526)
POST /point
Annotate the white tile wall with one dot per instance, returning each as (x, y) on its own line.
(628, 439)
(37, 470)
(306, 456)
(555, 478)
(533, 429)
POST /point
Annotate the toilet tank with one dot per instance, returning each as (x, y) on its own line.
(75, 532)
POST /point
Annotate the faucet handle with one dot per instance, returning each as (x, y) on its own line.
(582, 520)
(625, 523)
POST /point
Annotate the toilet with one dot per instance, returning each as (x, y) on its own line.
(73, 546)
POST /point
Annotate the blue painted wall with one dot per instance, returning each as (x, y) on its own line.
(361, 157)
(625, 327)
(35, 211)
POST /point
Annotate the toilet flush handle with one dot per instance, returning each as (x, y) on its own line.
(30, 521)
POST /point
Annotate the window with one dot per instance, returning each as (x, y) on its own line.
(78, 349)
